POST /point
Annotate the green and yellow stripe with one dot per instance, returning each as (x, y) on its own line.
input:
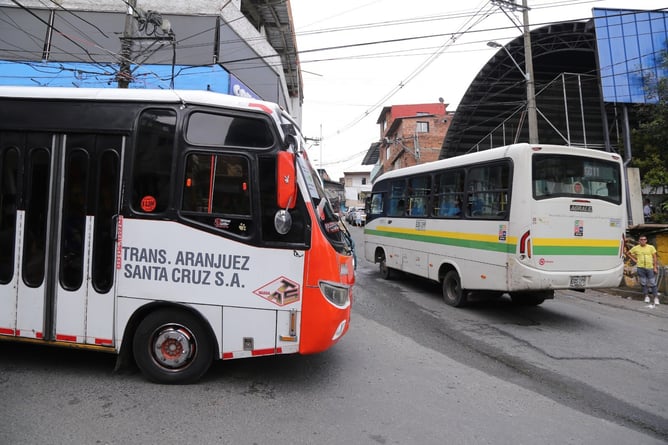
(491, 243)
(575, 246)
(458, 239)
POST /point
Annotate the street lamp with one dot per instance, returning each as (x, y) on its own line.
(531, 94)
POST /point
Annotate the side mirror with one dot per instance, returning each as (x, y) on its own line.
(282, 221)
(286, 180)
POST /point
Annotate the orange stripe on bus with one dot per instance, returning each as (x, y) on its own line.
(254, 353)
(269, 351)
(63, 337)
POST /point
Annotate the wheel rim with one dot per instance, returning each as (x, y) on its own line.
(451, 290)
(173, 346)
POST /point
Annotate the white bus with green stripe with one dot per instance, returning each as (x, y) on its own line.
(521, 219)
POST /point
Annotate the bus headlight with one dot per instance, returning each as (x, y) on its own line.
(335, 293)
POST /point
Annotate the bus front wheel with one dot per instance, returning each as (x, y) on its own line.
(453, 294)
(172, 346)
(385, 271)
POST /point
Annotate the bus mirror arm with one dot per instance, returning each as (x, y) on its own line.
(292, 141)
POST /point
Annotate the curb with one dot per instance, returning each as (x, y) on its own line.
(623, 298)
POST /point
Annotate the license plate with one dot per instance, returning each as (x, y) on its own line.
(578, 281)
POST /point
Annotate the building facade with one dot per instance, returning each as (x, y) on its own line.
(357, 185)
(240, 47)
(409, 135)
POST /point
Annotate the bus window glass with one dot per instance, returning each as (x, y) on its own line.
(418, 195)
(217, 130)
(575, 176)
(268, 207)
(488, 191)
(153, 161)
(448, 193)
(8, 191)
(105, 213)
(74, 219)
(327, 218)
(376, 204)
(397, 198)
(34, 247)
(217, 184)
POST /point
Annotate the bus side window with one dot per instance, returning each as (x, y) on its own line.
(153, 154)
(215, 186)
(215, 130)
(300, 230)
(488, 187)
(376, 204)
(8, 192)
(397, 198)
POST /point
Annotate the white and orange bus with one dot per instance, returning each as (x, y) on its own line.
(172, 227)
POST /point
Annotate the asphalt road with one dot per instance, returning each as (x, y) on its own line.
(581, 369)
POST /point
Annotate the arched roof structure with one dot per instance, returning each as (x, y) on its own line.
(570, 110)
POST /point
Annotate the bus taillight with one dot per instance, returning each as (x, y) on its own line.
(525, 244)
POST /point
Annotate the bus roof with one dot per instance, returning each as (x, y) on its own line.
(491, 154)
(198, 97)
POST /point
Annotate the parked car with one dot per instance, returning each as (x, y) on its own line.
(350, 214)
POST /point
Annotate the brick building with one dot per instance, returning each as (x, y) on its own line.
(409, 135)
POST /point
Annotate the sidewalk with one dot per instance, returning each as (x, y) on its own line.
(624, 298)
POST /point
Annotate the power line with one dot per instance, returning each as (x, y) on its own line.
(431, 51)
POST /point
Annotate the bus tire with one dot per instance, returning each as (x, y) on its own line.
(453, 294)
(385, 271)
(528, 298)
(172, 346)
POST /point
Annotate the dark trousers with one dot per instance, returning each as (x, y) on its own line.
(647, 280)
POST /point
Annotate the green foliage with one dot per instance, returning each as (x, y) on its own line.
(650, 139)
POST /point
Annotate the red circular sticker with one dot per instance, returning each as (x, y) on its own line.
(148, 203)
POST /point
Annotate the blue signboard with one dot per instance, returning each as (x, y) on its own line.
(632, 50)
(89, 75)
(238, 88)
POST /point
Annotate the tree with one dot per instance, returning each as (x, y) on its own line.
(650, 137)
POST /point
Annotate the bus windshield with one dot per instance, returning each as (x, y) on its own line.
(575, 176)
(332, 226)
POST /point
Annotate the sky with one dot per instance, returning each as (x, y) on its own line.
(358, 56)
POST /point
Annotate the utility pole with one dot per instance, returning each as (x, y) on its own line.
(124, 75)
(532, 113)
(531, 89)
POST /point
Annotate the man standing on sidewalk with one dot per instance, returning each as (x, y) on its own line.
(644, 255)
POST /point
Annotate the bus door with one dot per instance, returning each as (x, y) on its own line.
(63, 269)
(11, 220)
(85, 238)
(25, 200)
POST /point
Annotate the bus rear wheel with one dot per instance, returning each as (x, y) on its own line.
(453, 294)
(172, 346)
